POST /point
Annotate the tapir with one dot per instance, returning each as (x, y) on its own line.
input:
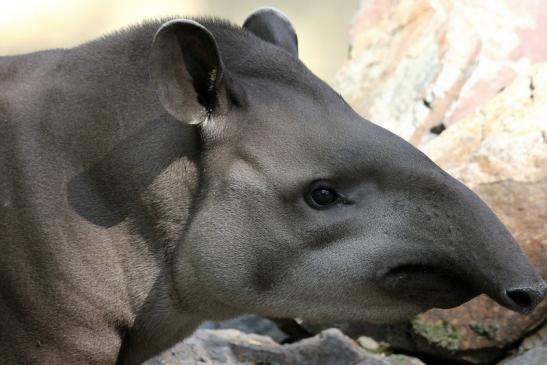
(190, 169)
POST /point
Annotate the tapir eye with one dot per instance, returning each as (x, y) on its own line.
(321, 195)
(324, 196)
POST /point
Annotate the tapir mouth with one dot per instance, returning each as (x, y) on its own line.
(429, 285)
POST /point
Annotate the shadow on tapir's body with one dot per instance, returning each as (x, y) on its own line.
(193, 170)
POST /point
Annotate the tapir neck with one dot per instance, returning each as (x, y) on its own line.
(89, 145)
(145, 183)
(139, 167)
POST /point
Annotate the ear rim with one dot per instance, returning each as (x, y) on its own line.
(171, 29)
(264, 10)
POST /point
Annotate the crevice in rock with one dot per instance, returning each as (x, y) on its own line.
(438, 129)
(450, 97)
(512, 349)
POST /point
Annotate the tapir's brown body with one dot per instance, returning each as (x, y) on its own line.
(123, 224)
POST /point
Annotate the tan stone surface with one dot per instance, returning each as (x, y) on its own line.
(455, 55)
(231, 347)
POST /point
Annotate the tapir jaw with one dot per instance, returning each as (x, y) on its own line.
(492, 259)
(453, 247)
(432, 286)
(427, 285)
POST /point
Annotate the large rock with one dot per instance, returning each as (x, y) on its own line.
(467, 65)
(535, 356)
(249, 323)
(232, 347)
(418, 63)
(532, 351)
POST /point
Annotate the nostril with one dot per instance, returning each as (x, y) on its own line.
(521, 297)
(525, 300)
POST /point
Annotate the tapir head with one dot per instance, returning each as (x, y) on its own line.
(305, 209)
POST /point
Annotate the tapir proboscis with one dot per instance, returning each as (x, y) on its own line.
(192, 169)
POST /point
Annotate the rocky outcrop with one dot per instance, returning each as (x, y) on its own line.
(418, 67)
(532, 351)
(232, 347)
(416, 64)
(250, 323)
(536, 356)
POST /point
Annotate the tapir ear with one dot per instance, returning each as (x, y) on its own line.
(274, 27)
(186, 70)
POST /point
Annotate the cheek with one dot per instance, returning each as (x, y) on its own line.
(233, 251)
(215, 248)
(272, 264)
(347, 267)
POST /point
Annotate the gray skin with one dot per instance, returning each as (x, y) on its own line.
(166, 174)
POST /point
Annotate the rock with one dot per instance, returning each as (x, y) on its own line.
(369, 344)
(536, 356)
(219, 347)
(249, 323)
(232, 347)
(422, 64)
(532, 351)
(538, 339)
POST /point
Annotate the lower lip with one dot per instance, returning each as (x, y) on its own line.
(431, 286)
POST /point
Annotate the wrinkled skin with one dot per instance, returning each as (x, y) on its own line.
(148, 188)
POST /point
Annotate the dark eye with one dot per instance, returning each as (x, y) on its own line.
(324, 196)
(321, 196)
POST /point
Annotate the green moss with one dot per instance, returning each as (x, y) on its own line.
(439, 333)
(488, 330)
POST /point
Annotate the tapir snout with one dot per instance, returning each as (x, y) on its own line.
(469, 246)
(499, 268)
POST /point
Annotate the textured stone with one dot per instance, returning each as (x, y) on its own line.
(532, 351)
(249, 323)
(538, 339)
(535, 356)
(415, 64)
(232, 347)
(369, 344)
